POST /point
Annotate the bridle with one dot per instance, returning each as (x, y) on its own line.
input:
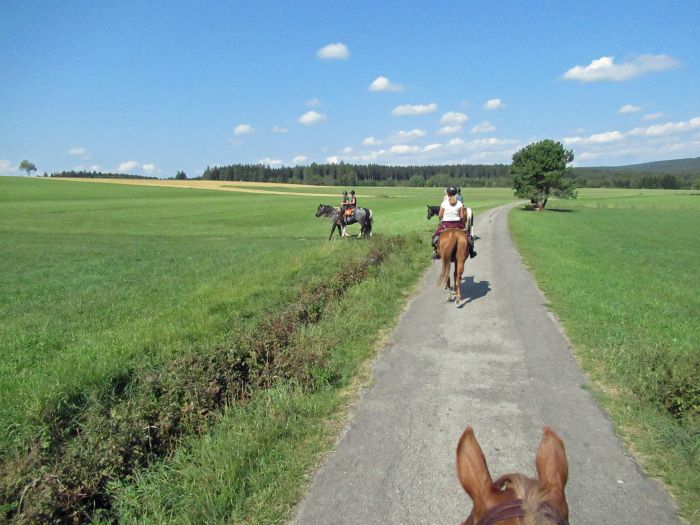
(514, 509)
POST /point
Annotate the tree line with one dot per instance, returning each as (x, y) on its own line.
(479, 175)
(462, 175)
(621, 178)
(97, 175)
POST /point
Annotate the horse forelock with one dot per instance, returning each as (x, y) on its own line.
(534, 499)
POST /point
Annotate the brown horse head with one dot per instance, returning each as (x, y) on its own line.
(515, 499)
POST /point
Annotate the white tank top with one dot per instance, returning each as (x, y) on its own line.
(451, 212)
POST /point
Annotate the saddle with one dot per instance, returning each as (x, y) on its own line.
(349, 212)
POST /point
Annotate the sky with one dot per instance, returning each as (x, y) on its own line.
(155, 87)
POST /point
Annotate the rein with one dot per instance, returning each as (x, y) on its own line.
(514, 509)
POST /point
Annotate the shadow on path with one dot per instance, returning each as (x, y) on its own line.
(473, 290)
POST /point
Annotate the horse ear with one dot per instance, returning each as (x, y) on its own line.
(552, 468)
(471, 468)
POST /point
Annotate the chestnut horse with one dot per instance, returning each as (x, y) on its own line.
(515, 499)
(453, 246)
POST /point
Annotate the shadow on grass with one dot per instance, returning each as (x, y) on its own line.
(473, 290)
(558, 210)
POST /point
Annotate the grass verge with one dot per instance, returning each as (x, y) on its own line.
(621, 273)
(250, 467)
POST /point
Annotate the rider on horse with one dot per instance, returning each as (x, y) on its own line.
(350, 204)
(452, 214)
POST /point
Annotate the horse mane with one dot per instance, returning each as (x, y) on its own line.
(533, 497)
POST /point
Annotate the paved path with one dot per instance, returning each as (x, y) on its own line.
(501, 364)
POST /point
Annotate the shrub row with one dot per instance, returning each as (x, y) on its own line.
(89, 442)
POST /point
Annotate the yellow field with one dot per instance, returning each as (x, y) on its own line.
(221, 185)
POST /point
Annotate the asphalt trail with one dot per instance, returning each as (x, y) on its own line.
(499, 363)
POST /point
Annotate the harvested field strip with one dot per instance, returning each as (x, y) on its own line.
(65, 478)
(219, 185)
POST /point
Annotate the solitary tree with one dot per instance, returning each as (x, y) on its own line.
(181, 175)
(27, 166)
(539, 170)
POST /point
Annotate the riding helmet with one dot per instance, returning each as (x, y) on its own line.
(452, 191)
(352, 192)
(345, 192)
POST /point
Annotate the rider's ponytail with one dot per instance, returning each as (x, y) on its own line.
(453, 200)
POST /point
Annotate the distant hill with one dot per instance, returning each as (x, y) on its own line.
(674, 167)
(668, 174)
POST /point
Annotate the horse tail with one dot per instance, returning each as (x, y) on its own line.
(447, 246)
(371, 219)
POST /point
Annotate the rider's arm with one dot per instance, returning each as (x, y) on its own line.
(441, 212)
(463, 214)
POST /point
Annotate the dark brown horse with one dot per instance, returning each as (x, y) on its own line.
(453, 246)
(515, 499)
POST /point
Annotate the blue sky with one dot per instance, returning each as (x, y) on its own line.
(155, 87)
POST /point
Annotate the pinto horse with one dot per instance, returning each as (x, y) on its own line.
(453, 246)
(515, 499)
(361, 215)
(433, 211)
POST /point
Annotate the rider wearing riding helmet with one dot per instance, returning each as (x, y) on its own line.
(352, 202)
(452, 215)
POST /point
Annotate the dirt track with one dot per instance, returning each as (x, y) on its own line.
(501, 364)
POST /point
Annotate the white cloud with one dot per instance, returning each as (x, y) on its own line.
(314, 103)
(494, 103)
(7, 167)
(419, 109)
(267, 161)
(94, 167)
(149, 168)
(629, 108)
(333, 159)
(453, 118)
(129, 165)
(484, 127)
(605, 69)
(456, 142)
(653, 116)
(347, 151)
(448, 130)
(279, 129)
(371, 141)
(78, 151)
(384, 84)
(431, 147)
(334, 52)
(667, 129)
(243, 129)
(299, 159)
(654, 142)
(311, 117)
(596, 138)
(402, 149)
(402, 135)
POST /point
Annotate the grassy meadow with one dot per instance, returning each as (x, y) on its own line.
(621, 269)
(186, 346)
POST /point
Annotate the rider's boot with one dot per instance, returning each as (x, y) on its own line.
(435, 255)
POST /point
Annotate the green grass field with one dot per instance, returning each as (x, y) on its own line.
(113, 293)
(119, 299)
(621, 270)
